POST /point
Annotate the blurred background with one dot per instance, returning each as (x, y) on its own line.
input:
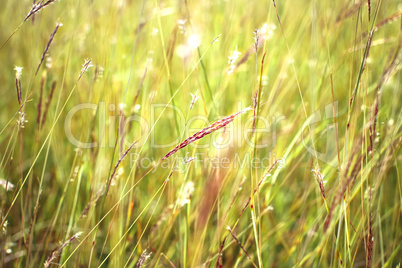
(94, 94)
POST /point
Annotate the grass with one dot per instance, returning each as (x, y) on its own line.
(213, 133)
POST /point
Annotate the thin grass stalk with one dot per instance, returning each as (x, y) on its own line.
(200, 134)
(297, 82)
(161, 190)
(208, 130)
(362, 66)
(46, 238)
(132, 58)
(175, 93)
(130, 124)
(255, 123)
(171, 263)
(154, 126)
(11, 35)
(102, 192)
(166, 61)
(74, 206)
(105, 240)
(336, 124)
(218, 260)
(204, 71)
(57, 251)
(241, 246)
(150, 170)
(33, 219)
(40, 150)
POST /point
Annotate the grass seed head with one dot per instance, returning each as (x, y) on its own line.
(206, 131)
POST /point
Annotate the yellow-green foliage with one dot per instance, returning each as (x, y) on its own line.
(310, 179)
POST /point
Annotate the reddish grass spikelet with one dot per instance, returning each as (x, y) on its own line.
(258, 43)
(219, 259)
(33, 16)
(58, 24)
(256, 39)
(118, 164)
(18, 72)
(319, 177)
(206, 131)
(216, 39)
(87, 64)
(257, 96)
(42, 82)
(49, 99)
(194, 98)
(93, 201)
(36, 7)
(347, 12)
(143, 258)
(393, 18)
(255, 104)
(57, 251)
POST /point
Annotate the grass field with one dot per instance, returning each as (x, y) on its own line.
(200, 133)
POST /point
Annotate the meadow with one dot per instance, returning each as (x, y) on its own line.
(200, 133)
